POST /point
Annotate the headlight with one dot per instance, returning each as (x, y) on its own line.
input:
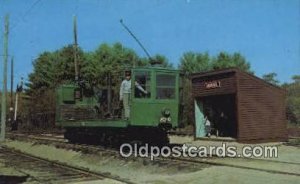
(169, 119)
(166, 112)
(163, 120)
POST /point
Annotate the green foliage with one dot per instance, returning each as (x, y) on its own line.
(163, 61)
(108, 59)
(225, 60)
(192, 62)
(296, 78)
(271, 78)
(293, 100)
(52, 69)
(293, 96)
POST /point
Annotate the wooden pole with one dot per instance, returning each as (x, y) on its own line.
(12, 82)
(18, 91)
(75, 48)
(4, 91)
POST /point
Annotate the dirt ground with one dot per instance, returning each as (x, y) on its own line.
(147, 172)
(285, 153)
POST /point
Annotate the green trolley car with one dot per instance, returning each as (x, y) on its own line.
(91, 115)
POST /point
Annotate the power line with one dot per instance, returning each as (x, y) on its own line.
(25, 14)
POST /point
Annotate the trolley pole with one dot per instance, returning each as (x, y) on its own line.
(4, 91)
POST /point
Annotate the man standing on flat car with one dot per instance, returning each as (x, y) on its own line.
(125, 91)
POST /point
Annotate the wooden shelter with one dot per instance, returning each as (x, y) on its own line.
(239, 105)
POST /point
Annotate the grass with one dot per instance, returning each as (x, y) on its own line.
(294, 142)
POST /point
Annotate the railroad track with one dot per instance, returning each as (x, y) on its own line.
(50, 171)
(45, 171)
(61, 143)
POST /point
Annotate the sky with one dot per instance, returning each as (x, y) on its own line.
(265, 32)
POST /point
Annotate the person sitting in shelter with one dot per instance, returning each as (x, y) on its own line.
(207, 124)
(125, 91)
(222, 124)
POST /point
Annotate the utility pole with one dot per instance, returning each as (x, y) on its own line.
(11, 107)
(75, 48)
(12, 82)
(18, 90)
(4, 91)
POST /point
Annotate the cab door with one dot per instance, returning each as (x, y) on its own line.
(142, 105)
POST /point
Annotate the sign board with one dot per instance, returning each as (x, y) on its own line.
(212, 84)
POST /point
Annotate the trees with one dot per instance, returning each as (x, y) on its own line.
(164, 62)
(293, 100)
(226, 60)
(292, 95)
(191, 62)
(271, 78)
(296, 79)
(108, 59)
(52, 69)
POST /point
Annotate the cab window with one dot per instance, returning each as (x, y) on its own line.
(142, 84)
(165, 86)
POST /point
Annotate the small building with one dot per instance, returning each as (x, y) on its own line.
(239, 105)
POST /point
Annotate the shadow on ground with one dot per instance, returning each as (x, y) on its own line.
(6, 179)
